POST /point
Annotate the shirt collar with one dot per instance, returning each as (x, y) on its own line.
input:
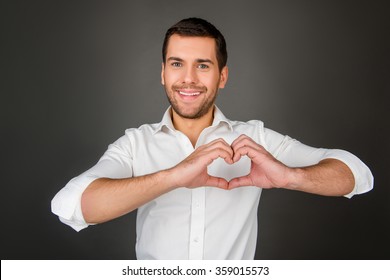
(219, 120)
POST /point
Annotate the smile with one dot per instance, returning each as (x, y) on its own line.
(189, 93)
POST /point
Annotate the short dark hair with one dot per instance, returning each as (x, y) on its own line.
(197, 27)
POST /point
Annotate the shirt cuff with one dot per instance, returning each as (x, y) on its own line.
(67, 203)
(364, 180)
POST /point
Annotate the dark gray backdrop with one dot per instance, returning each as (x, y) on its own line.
(76, 74)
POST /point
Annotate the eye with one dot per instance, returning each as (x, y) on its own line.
(203, 66)
(176, 64)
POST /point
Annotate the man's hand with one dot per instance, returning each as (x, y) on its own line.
(329, 177)
(265, 172)
(192, 171)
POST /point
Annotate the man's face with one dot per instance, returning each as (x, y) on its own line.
(191, 76)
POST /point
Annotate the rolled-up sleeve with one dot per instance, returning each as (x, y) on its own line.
(115, 163)
(295, 154)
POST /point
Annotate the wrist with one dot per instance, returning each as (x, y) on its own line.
(295, 178)
(169, 178)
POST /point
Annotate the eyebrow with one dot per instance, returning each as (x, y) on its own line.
(199, 60)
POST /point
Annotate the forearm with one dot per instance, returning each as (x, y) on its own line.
(106, 199)
(330, 177)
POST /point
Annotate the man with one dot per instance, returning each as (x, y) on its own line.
(196, 177)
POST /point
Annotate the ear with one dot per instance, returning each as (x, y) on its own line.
(223, 77)
(162, 73)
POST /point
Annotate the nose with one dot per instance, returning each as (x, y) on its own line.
(190, 76)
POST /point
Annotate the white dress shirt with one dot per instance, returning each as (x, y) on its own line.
(201, 223)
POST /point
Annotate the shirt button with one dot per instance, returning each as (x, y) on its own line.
(196, 239)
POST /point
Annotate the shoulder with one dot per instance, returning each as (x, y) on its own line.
(143, 129)
(250, 123)
(253, 128)
(243, 126)
(133, 137)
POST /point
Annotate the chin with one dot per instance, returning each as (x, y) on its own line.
(189, 115)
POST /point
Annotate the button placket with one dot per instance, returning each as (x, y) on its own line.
(197, 223)
(198, 203)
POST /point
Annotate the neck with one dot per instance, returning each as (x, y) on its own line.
(192, 128)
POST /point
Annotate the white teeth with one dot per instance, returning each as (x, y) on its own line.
(189, 93)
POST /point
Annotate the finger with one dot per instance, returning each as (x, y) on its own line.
(207, 157)
(217, 182)
(240, 182)
(221, 149)
(239, 138)
(251, 152)
(244, 140)
(217, 142)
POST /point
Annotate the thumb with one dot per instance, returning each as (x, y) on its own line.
(217, 182)
(240, 182)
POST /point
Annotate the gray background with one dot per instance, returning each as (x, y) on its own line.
(76, 74)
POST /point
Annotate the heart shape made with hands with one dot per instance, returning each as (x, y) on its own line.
(219, 168)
